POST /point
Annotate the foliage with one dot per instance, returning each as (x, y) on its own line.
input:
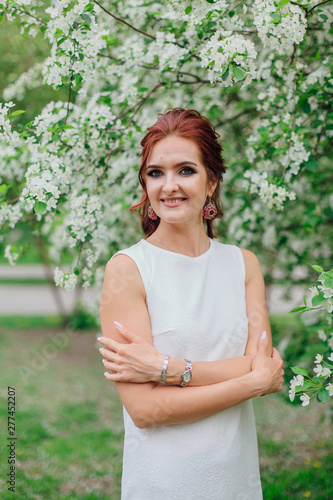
(320, 385)
(261, 71)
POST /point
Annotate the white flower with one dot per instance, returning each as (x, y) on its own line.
(318, 369)
(326, 372)
(322, 335)
(291, 394)
(329, 388)
(319, 358)
(305, 398)
(330, 357)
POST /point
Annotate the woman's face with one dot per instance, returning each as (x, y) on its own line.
(176, 180)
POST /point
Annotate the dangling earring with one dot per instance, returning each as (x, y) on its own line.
(151, 213)
(209, 211)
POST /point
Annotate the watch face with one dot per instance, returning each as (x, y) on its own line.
(187, 376)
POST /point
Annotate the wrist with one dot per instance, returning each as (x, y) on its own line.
(253, 383)
(175, 370)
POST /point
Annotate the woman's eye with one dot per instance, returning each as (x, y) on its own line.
(152, 173)
(188, 170)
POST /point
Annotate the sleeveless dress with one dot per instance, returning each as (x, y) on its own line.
(197, 311)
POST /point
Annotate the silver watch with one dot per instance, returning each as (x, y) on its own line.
(187, 374)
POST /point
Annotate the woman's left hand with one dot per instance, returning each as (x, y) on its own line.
(137, 361)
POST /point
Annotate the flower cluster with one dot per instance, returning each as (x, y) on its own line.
(271, 194)
(323, 363)
(279, 27)
(229, 58)
(75, 165)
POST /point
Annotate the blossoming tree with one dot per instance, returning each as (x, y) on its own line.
(260, 70)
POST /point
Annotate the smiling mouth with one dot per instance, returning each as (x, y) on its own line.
(173, 200)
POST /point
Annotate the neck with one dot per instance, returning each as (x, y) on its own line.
(193, 242)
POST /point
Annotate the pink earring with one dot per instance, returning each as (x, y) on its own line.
(209, 211)
(151, 213)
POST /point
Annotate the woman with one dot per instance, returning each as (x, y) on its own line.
(184, 321)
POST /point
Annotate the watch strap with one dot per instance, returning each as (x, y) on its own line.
(164, 368)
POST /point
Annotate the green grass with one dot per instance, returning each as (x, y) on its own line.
(70, 432)
(28, 322)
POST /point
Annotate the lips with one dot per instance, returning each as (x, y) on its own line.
(173, 202)
(170, 200)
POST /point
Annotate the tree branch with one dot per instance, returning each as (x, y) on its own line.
(315, 6)
(117, 18)
(232, 118)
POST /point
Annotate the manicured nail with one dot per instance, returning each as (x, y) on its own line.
(106, 373)
(264, 335)
(99, 338)
(119, 325)
(103, 360)
(100, 349)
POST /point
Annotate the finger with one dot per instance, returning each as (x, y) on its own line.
(109, 355)
(128, 334)
(110, 365)
(109, 343)
(262, 343)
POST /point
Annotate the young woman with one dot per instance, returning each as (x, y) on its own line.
(186, 333)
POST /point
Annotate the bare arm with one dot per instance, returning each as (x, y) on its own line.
(255, 298)
(149, 404)
(142, 363)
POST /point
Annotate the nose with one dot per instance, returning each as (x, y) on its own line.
(170, 184)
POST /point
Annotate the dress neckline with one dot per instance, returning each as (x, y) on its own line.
(207, 252)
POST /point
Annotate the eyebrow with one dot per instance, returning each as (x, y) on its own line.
(176, 165)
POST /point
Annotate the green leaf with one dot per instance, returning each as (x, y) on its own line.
(59, 42)
(23, 204)
(296, 309)
(76, 271)
(323, 396)
(317, 300)
(188, 9)
(225, 74)
(319, 269)
(39, 207)
(302, 388)
(311, 165)
(328, 283)
(299, 370)
(18, 112)
(86, 18)
(305, 106)
(282, 3)
(210, 1)
(238, 73)
(323, 16)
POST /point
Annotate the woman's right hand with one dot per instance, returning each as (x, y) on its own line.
(267, 371)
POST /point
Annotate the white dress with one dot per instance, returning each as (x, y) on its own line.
(197, 311)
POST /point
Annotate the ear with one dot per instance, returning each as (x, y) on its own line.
(212, 187)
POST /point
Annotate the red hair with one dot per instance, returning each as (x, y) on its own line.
(189, 124)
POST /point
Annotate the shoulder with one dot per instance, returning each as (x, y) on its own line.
(122, 272)
(252, 264)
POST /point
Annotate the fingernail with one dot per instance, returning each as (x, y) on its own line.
(103, 360)
(106, 373)
(264, 335)
(100, 348)
(99, 338)
(119, 325)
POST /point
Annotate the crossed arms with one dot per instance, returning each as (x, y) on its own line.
(136, 365)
